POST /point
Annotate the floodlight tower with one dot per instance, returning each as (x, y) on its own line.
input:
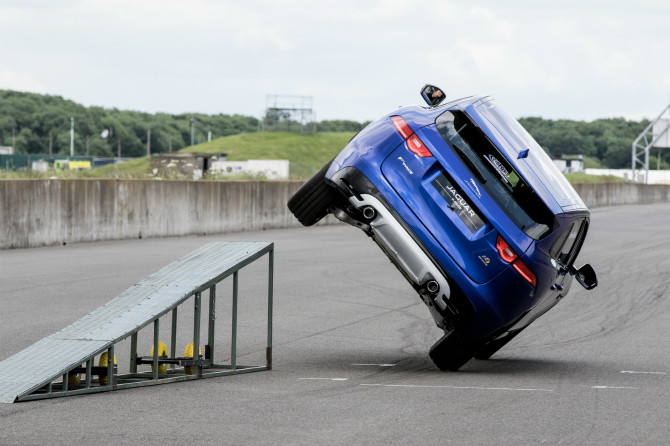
(71, 136)
(657, 134)
(287, 108)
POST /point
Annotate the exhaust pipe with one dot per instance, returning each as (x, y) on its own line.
(369, 212)
(432, 286)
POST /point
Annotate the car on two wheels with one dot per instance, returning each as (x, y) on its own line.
(469, 208)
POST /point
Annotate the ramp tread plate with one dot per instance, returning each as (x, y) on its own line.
(41, 363)
(116, 320)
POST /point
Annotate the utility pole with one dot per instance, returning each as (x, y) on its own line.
(87, 146)
(170, 143)
(71, 136)
(192, 130)
(149, 142)
(51, 143)
(118, 140)
(13, 140)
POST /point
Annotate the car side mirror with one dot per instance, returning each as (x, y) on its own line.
(432, 95)
(586, 276)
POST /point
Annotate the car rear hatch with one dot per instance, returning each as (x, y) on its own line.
(460, 201)
(530, 159)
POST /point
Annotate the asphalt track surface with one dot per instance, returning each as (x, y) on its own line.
(351, 344)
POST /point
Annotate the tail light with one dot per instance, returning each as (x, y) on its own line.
(414, 143)
(509, 256)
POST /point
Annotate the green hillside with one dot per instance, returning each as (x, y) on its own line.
(313, 149)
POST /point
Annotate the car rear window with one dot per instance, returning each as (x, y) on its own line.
(496, 174)
(567, 246)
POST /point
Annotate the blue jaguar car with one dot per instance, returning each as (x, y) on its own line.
(471, 211)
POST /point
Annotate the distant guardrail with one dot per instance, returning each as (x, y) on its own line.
(61, 211)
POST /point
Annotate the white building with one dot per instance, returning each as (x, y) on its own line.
(570, 164)
(269, 169)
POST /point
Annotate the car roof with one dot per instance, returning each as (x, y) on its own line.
(536, 166)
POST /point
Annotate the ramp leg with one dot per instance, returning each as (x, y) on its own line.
(133, 353)
(196, 329)
(88, 373)
(268, 351)
(233, 342)
(155, 358)
(111, 378)
(209, 350)
(173, 340)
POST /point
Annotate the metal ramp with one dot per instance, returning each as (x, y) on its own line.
(54, 366)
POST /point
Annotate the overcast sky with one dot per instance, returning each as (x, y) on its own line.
(359, 59)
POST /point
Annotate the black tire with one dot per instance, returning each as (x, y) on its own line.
(450, 352)
(310, 203)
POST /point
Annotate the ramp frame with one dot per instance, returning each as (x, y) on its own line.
(90, 347)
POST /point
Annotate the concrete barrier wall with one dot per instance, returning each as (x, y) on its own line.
(612, 194)
(49, 212)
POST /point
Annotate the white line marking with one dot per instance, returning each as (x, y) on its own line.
(456, 387)
(375, 365)
(613, 387)
(328, 379)
(643, 373)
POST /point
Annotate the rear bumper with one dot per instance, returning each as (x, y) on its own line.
(403, 250)
(448, 304)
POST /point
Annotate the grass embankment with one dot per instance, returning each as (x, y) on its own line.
(584, 178)
(314, 149)
(134, 168)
